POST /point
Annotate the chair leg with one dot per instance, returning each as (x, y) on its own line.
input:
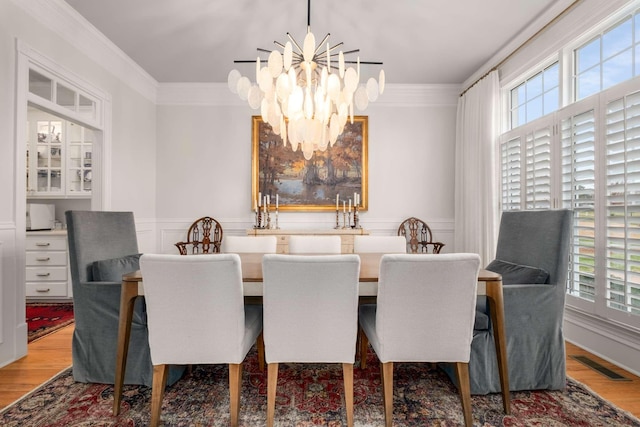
(235, 384)
(462, 372)
(347, 375)
(260, 348)
(364, 345)
(157, 392)
(272, 381)
(387, 392)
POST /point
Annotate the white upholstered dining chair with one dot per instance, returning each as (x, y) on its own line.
(424, 313)
(310, 316)
(302, 244)
(380, 244)
(249, 244)
(196, 315)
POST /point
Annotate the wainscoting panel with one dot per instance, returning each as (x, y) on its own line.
(13, 326)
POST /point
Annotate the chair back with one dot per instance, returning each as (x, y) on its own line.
(302, 244)
(195, 308)
(203, 237)
(426, 307)
(379, 244)
(310, 308)
(250, 244)
(96, 236)
(537, 238)
(419, 236)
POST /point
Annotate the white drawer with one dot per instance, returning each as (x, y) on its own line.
(46, 258)
(46, 243)
(53, 289)
(46, 274)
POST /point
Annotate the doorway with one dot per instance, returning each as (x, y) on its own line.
(58, 96)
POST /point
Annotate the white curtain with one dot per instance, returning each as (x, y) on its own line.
(476, 202)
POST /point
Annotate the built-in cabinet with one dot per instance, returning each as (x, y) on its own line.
(47, 265)
(59, 157)
(346, 236)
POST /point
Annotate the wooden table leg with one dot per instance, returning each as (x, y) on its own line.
(496, 308)
(128, 295)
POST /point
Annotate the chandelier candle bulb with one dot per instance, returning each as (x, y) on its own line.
(337, 200)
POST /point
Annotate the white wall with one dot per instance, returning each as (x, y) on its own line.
(131, 166)
(204, 161)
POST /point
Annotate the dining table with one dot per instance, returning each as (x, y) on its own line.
(489, 284)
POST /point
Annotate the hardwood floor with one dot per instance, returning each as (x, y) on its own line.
(46, 357)
(51, 354)
(623, 394)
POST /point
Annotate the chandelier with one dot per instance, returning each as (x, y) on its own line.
(307, 93)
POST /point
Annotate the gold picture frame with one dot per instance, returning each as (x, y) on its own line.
(310, 185)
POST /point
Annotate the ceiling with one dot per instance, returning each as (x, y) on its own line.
(419, 41)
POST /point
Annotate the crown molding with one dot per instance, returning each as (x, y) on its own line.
(521, 38)
(395, 95)
(66, 22)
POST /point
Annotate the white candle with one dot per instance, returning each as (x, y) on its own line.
(349, 205)
(259, 199)
(337, 200)
(344, 206)
(355, 198)
(277, 200)
(268, 199)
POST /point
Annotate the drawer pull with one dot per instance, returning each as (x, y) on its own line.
(43, 290)
(44, 259)
(43, 244)
(43, 274)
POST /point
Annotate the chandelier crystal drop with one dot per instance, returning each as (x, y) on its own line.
(304, 93)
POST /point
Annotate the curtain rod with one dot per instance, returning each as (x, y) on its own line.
(526, 42)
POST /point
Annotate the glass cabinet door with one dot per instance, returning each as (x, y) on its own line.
(59, 158)
(79, 175)
(49, 160)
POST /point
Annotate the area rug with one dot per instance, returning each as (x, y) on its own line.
(45, 318)
(308, 395)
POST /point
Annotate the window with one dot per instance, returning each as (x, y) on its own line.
(510, 167)
(608, 59)
(585, 157)
(46, 86)
(622, 200)
(537, 96)
(526, 166)
(578, 194)
(538, 169)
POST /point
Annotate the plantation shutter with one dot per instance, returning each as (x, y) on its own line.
(623, 203)
(538, 169)
(510, 160)
(578, 194)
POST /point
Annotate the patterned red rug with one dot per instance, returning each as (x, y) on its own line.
(45, 318)
(308, 395)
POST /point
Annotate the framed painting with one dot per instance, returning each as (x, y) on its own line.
(314, 184)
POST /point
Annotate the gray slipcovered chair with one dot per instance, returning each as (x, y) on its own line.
(102, 247)
(533, 257)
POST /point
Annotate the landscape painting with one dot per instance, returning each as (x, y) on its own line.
(310, 185)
